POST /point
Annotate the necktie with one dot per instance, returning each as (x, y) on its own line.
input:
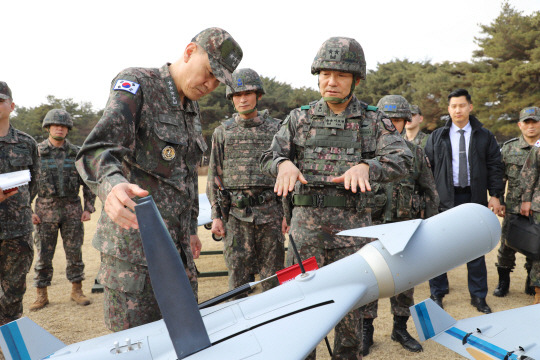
(463, 176)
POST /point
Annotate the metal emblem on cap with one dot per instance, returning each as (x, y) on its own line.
(168, 153)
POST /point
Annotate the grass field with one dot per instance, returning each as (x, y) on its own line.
(72, 323)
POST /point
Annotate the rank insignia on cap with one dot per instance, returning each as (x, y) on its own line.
(168, 153)
(126, 85)
(537, 144)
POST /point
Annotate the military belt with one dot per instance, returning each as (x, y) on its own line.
(317, 200)
(243, 201)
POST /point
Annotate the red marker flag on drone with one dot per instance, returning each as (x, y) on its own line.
(283, 276)
(293, 271)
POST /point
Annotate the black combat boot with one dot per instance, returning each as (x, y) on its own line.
(402, 336)
(367, 336)
(529, 289)
(504, 282)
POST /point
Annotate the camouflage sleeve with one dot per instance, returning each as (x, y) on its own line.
(495, 168)
(194, 223)
(89, 198)
(529, 175)
(34, 170)
(283, 147)
(505, 176)
(427, 186)
(215, 168)
(393, 159)
(287, 208)
(99, 161)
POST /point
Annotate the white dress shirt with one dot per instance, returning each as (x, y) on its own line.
(454, 141)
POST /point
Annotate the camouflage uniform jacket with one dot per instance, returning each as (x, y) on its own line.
(237, 145)
(60, 181)
(419, 139)
(407, 198)
(146, 137)
(18, 151)
(514, 152)
(530, 183)
(381, 146)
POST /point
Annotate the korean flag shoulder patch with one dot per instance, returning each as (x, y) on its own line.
(126, 85)
(537, 144)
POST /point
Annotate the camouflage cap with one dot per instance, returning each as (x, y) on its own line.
(395, 106)
(532, 112)
(57, 117)
(223, 51)
(415, 110)
(245, 80)
(340, 54)
(5, 91)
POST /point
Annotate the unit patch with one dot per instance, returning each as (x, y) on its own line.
(388, 124)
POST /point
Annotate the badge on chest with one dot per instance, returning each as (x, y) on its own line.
(168, 153)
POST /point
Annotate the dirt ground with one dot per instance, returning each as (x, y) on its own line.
(71, 323)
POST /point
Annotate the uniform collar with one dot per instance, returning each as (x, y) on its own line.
(523, 144)
(247, 123)
(354, 109)
(11, 136)
(172, 93)
(65, 145)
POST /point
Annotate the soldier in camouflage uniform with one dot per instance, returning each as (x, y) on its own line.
(149, 141)
(530, 205)
(58, 207)
(253, 241)
(412, 128)
(18, 151)
(513, 153)
(413, 197)
(328, 154)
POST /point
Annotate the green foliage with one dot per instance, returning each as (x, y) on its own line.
(510, 78)
(29, 119)
(503, 78)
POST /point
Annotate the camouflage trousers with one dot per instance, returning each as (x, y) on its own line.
(253, 249)
(16, 257)
(535, 269)
(313, 231)
(129, 299)
(399, 305)
(46, 237)
(506, 257)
